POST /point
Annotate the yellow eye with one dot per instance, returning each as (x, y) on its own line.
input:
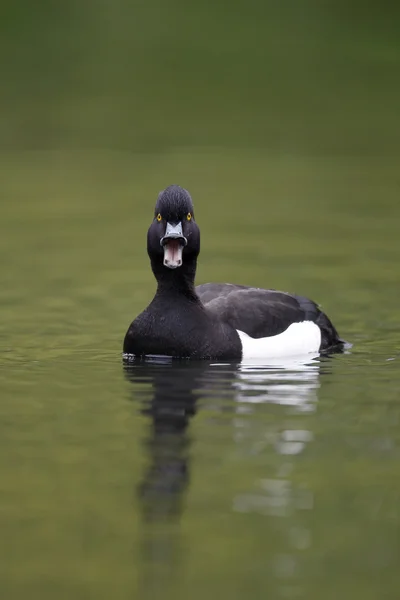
(189, 216)
(158, 217)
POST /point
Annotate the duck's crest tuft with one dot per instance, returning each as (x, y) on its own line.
(174, 203)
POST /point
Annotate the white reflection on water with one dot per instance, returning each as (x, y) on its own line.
(293, 386)
(292, 383)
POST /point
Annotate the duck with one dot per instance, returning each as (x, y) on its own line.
(216, 321)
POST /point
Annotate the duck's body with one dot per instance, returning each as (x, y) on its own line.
(216, 321)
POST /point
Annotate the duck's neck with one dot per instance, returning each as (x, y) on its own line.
(175, 282)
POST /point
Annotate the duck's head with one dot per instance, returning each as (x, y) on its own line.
(173, 238)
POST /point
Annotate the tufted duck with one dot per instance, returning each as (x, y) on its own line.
(216, 321)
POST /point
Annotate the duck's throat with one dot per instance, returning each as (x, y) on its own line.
(180, 279)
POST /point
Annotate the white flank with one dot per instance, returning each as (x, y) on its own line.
(298, 339)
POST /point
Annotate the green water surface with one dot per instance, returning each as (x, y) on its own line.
(198, 481)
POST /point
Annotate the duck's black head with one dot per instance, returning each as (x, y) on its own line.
(173, 239)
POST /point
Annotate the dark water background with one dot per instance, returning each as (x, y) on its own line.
(194, 481)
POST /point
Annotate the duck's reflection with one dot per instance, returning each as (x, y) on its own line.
(170, 406)
(172, 402)
(177, 390)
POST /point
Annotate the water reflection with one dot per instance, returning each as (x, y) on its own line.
(294, 385)
(172, 401)
(177, 392)
(170, 405)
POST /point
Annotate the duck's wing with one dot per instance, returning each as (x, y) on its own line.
(263, 313)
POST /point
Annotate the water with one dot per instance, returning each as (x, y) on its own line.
(195, 480)
(198, 480)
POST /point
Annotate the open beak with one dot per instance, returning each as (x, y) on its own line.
(173, 242)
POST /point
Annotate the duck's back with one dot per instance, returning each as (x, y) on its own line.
(263, 313)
